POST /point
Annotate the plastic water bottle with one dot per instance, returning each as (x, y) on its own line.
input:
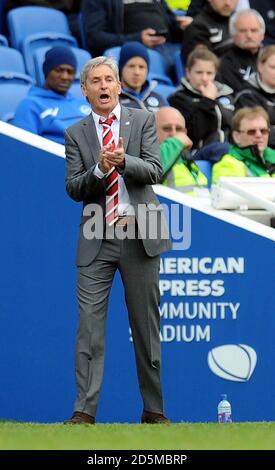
(224, 410)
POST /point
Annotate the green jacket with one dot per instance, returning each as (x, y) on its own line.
(245, 161)
(178, 172)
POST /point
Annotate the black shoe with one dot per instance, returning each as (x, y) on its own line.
(80, 418)
(154, 418)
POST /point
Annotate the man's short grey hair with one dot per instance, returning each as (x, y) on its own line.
(102, 60)
(234, 18)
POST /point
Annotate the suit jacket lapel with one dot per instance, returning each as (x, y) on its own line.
(126, 121)
(91, 136)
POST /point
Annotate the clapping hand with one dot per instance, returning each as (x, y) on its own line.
(116, 157)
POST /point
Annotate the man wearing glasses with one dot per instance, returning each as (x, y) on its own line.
(250, 154)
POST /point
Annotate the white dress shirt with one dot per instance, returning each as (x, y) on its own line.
(124, 204)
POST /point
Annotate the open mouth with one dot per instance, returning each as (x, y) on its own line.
(104, 97)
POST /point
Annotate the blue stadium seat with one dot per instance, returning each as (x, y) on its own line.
(11, 94)
(11, 60)
(161, 79)
(157, 63)
(34, 27)
(75, 90)
(113, 52)
(206, 168)
(12, 68)
(24, 21)
(165, 91)
(179, 67)
(3, 41)
(82, 57)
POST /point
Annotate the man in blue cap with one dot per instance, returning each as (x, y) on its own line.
(48, 111)
(137, 91)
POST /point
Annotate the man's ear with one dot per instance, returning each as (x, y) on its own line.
(236, 137)
(84, 92)
(119, 88)
(83, 89)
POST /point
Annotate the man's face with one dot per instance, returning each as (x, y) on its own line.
(102, 89)
(60, 79)
(267, 71)
(252, 132)
(248, 34)
(169, 123)
(223, 7)
(134, 74)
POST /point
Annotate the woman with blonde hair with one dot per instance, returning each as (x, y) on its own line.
(206, 104)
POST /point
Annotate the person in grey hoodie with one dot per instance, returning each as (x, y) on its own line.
(137, 91)
(48, 111)
(207, 105)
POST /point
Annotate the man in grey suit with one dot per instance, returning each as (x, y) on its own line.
(132, 154)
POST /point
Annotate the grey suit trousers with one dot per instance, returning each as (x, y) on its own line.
(140, 276)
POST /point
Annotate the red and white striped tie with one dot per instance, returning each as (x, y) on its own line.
(111, 180)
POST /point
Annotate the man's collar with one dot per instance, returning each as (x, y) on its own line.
(116, 111)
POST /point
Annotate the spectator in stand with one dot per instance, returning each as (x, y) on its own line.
(50, 110)
(250, 155)
(247, 29)
(210, 27)
(260, 88)
(207, 105)
(265, 7)
(137, 91)
(179, 170)
(110, 23)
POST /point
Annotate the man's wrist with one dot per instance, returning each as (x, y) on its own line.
(98, 172)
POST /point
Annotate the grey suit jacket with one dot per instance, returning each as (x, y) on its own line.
(142, 169)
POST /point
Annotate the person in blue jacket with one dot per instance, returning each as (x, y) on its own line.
(137, 91)
(48, 111)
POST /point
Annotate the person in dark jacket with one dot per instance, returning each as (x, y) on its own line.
(110, 23)
(210, 27)
(260, 88)
(137, 91)
(265, 7)
(247, 29)
(207, 105)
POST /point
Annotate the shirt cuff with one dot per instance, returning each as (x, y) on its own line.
(98, 172)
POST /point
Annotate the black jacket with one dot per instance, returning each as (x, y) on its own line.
(150, 100)
(236, 67)
(206, 120)
(265, 7)
(103, 24)
(256, 94)
(208, 28)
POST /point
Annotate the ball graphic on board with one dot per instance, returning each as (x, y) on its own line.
(232, 362)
